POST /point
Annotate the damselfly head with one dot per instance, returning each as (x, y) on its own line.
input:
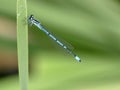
(31, 19)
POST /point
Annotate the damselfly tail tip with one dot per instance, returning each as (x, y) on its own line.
(77, 58)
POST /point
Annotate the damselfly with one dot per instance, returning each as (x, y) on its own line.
(32, 20)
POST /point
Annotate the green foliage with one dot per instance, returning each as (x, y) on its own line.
(91, 26)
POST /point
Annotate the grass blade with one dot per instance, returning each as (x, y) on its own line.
(22, 43)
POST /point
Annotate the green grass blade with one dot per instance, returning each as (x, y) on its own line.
(22, 43)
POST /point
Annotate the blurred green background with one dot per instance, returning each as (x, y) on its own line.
(91, 26)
